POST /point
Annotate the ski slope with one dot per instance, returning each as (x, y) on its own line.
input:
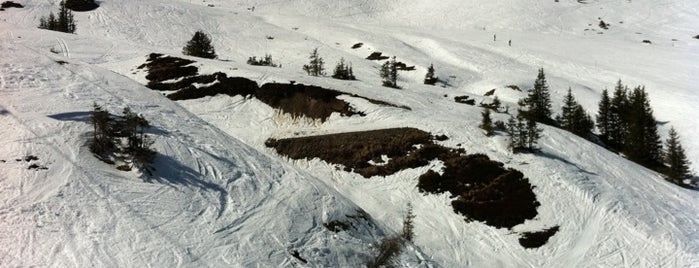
(221, 199)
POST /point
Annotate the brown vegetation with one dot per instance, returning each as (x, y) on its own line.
(167, 73)
(484, 190)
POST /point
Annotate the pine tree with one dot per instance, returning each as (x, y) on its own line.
(389, 73)
(409, 224)
(200, 46)
(573, 117)
(343, 71)
(538, 102)
(430, 78)
(103, 139)
(618, 127)
(487, 122)
(642, 143)
(675, 158)
(316, 65)
(533, 135)
(138, 143)
(604, 117)
(65, 19)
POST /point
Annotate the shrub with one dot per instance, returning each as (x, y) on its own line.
(387, 252)
(263, 61)
(343, 71)
(315, 66)
(200, 46)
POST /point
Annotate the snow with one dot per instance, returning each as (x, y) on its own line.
(221, 198)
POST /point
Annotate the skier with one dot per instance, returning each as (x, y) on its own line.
(509, 43)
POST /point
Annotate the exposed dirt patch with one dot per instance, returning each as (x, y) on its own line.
(537, 239)
(483, 189)
(9, 4)
(167, 73)
(376, 56)
(465, 100)
(81, 5)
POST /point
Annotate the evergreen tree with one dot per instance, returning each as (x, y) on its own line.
(538, 102)
(642, 142)
(343, 71)
(316, 65)
(573, 117)
(604, 117)
(430, 78)
(675, 158)
(618, 112)
(389, 73)
(200, 46)
(409, 224)
(138, 144)
(103, 139)
(487, 122)
(65, 19)
(533, 135)
(63, 23)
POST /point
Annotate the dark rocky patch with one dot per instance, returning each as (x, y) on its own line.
(465, 100)
(696, 36)
(30, 158)
(514, 87)
(37, 167)
(647, 41)
(9, 4)
(537, 239)
(301, 100)
(403, 67)
(81, 5)
(483, 190)
(357, 45)
(295, 253)
(376, 56)
(489, 93)
(166, 73)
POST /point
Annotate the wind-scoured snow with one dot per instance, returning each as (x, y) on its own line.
(220, 198)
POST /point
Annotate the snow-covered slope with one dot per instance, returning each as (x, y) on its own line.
(220, 198)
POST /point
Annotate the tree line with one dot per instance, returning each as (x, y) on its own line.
(625, 124)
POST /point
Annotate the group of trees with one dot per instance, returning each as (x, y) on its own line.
(389, 73)
(263, 61)
(121, 138)
(625, 123)
(343, 71)
(64, 22)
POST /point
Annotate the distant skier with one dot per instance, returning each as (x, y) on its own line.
(494, 38)
(509, 43)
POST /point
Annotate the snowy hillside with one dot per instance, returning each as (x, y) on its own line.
(220, 198)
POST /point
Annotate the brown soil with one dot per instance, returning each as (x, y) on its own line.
(537, 239)
(483, 189)
(167, 73)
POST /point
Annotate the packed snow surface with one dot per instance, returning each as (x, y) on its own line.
(220, 198)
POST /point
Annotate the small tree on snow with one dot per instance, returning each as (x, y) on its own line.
(343, 71)
(200, 46)
(430, 78)
(63, 23)
(486, 122)
(675, 158)
(389, 73)
(315, 66)
(409, 224)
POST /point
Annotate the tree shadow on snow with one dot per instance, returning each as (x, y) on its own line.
(558, 158)
(84, 116)
(171, 172)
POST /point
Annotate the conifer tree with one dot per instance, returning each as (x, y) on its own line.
(343, 71)
(604, 117)
(487, 122)
(618, 112)
(63, 23)
(389, 73)
(573, 117)
(316, 65)
(533, 135)
(675, 158)
(409, 224)
(538, 102)
(200, 46)
(430, 78)
(103, 139)
(642, 142)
